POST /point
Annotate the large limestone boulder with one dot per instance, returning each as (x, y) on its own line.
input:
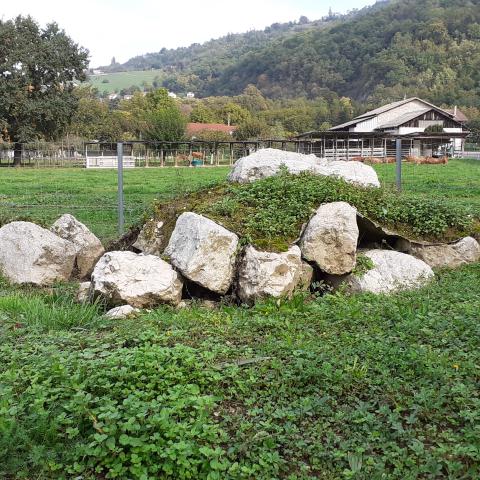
(436, 256)
(392, 271)
(150, 239)
(267, 163)
(468, 248)
(32, 254)
(330, 238)
(203, 251)
(352, 172)
(266, 274)
(136, 279)
(88, 247)
(453, 255)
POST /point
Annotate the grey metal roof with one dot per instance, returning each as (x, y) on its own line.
(351, 122)
(406, 117)
(387, 107)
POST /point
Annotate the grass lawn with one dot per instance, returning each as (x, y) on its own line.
(42, 195)
(360, 387)
(458, 181)
(332, 387)
(118, 81)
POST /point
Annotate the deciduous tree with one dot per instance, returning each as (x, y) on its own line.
(38, 71)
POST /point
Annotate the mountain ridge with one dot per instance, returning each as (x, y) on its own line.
(427, 48)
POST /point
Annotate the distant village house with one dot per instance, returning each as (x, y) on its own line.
(193, 130)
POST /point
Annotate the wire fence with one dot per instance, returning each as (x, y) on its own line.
(49, 186)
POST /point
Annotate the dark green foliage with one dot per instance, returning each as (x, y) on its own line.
(163, 119)
(363, 265)
(426, 48)
(364, 387)
(38, 68)
(434, 129)
(275, 208)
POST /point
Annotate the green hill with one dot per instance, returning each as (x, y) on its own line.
(116, 81)
(428, 48)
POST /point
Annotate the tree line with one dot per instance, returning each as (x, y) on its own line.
(42, 97)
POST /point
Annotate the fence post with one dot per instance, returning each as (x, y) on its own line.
(398, 144)
(121, 219)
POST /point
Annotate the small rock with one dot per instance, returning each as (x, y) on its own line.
(330, 238)
(266, 274)
(306, 276)
(83, 293)
(392, 271)
(203, 251)
(32, 254)
(88, 247)
(451, 255)
(122, 312)
(140, 280)
(150, 239)
(437, 255)
(184, 304)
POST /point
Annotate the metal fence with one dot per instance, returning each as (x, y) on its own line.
(52, 182)
(142, 154)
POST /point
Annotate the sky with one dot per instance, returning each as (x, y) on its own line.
(124, 29)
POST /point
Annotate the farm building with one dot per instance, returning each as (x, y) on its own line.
(194, 129)
(425, 129)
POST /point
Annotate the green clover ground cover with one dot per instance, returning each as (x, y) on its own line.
(364, 387)
(270, 212)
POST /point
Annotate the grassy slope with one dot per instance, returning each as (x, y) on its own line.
(120, 80)
(360, 387)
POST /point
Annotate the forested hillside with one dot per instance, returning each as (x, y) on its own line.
(428, 48)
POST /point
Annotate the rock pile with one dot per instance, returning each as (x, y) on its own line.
(204, 254)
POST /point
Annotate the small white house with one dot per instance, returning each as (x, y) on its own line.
(190, 95)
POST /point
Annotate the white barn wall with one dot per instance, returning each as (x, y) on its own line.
(371, 124)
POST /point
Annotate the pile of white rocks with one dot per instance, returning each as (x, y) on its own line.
(202, 253)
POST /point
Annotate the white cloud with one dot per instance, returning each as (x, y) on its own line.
(125, 29)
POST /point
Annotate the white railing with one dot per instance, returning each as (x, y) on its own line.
(109, 161)
(474, 155)
(349, 153)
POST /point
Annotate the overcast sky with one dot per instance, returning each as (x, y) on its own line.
(123, 29)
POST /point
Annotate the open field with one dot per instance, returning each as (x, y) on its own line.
(320, 387)
(458, 181)
(91, 195)
(120, 80)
